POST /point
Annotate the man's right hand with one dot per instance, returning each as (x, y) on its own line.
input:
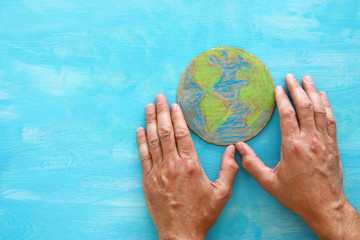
(308, 178)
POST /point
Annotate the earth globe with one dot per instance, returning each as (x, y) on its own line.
(226, 95)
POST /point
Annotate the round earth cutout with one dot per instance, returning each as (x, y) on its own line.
(226, 95)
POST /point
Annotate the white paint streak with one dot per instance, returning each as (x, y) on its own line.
(53, 80)
(32, 134)
(122, 203)
(19, 194)
(8, 113)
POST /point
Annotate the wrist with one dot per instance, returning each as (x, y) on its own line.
(182, 235)
(336, 220)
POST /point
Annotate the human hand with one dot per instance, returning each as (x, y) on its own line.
(308, 178)
(183, 203)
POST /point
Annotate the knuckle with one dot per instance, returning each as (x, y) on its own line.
(295, 84)
(165, 131)
(307, 106)
(295, 146)
(316, 146)
(331, 121)
(171, 171)
(180, 133)
(162, 108)
(319, 111)
(150, 117)
(233, 166)
(190, 167)
(154, 142)
(246, 163)
(145, 157)
(289, 113)
(149, 120)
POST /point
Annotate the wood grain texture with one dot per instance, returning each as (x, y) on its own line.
(75, 77)
(227, 95)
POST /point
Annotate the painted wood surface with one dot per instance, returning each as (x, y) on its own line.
(227, 95)
(76, 75)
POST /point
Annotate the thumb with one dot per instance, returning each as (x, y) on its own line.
(254, 166)
(228, 171)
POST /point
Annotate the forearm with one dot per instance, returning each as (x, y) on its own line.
(338, 220)
(178, 231)
(181, 236)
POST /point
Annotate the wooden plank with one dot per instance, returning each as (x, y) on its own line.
(75, 77)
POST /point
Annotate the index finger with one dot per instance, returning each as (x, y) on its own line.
(287, 115)
(184, 142)
(304, 107)
(165, 127)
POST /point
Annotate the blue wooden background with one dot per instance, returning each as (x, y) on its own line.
(76, 75)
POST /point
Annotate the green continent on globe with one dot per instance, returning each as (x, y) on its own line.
(207, 75)
(215, 111)
(258, 94)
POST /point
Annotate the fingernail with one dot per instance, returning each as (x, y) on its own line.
(150, 108)
(308, 79)
(231, 150)
(279, 89)
(240, 147)
(159, 98)
(173, 107)
(140, 132)
(290, 76)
